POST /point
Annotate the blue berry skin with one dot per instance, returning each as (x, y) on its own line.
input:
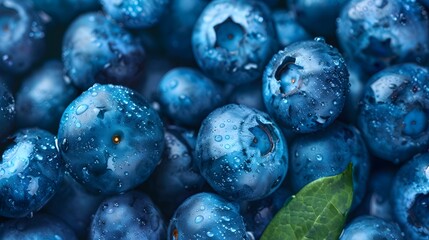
(371, 228)
(187, 96)
(22, 36)
(136, 14)
(176, 30)
(43, 97)
(31, 172)
(38, 227)
(7, 110)
(114, 55)
(233, 40)
(248, 94)
(258, 214)
(176, 178)
(317, 16)
(394, 112)
(305, 86)
(241, 153)
(207, 216)
(129, 216)
(378, 34)
(110, 139)
(63, 12)
(410, 197)
(288, 29)
(70, 197)
(328, 153)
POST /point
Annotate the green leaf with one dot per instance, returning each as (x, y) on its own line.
(318, 211)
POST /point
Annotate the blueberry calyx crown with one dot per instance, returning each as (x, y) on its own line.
(229, 35)
(289, 76)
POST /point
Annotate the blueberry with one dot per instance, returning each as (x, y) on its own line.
(394, 112)
(318, 17)
(328, 153)
(241, 153)
(176, 177)
(43, 97)
(110, 139)
(95, 50)
(369, 227)
(135, 13)
(410, 197)
(62, 12)
(288, 29)
(22, 36)
(206, 216)
(31, 172)
(129, 216)
(7, 110)
(74, 206)
(39, 227)
(233, 40)
(176, 28)
(187, 96)
(258, 214)
(305, 86)
(248, 94)
(381, 33)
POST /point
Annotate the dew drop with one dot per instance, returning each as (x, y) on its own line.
(81, 109)
(199, 219)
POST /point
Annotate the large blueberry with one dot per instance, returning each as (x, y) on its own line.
(31, 172)
(410, 197)
(258, 214)
(22, 36)
(43, 97)
(136, 13)
(110, 139)
(288, 29)
(328, 153)
(207, 216)
(176, 177)
(378, 34)
(95, 50)
(305, 86)
(394, 112)
(176, 28)
(318, 16)
(65, 10)
(241, 153)
(74, 206)
(130, 216)
(7, 110)
(371, 228)
(38, 227)
(187, 96)
(233, 40)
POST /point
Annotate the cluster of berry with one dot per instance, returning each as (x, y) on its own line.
(198, 119)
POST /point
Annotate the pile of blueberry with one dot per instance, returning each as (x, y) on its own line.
(198, 119)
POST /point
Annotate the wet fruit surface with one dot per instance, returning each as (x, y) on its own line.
(110, 139)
